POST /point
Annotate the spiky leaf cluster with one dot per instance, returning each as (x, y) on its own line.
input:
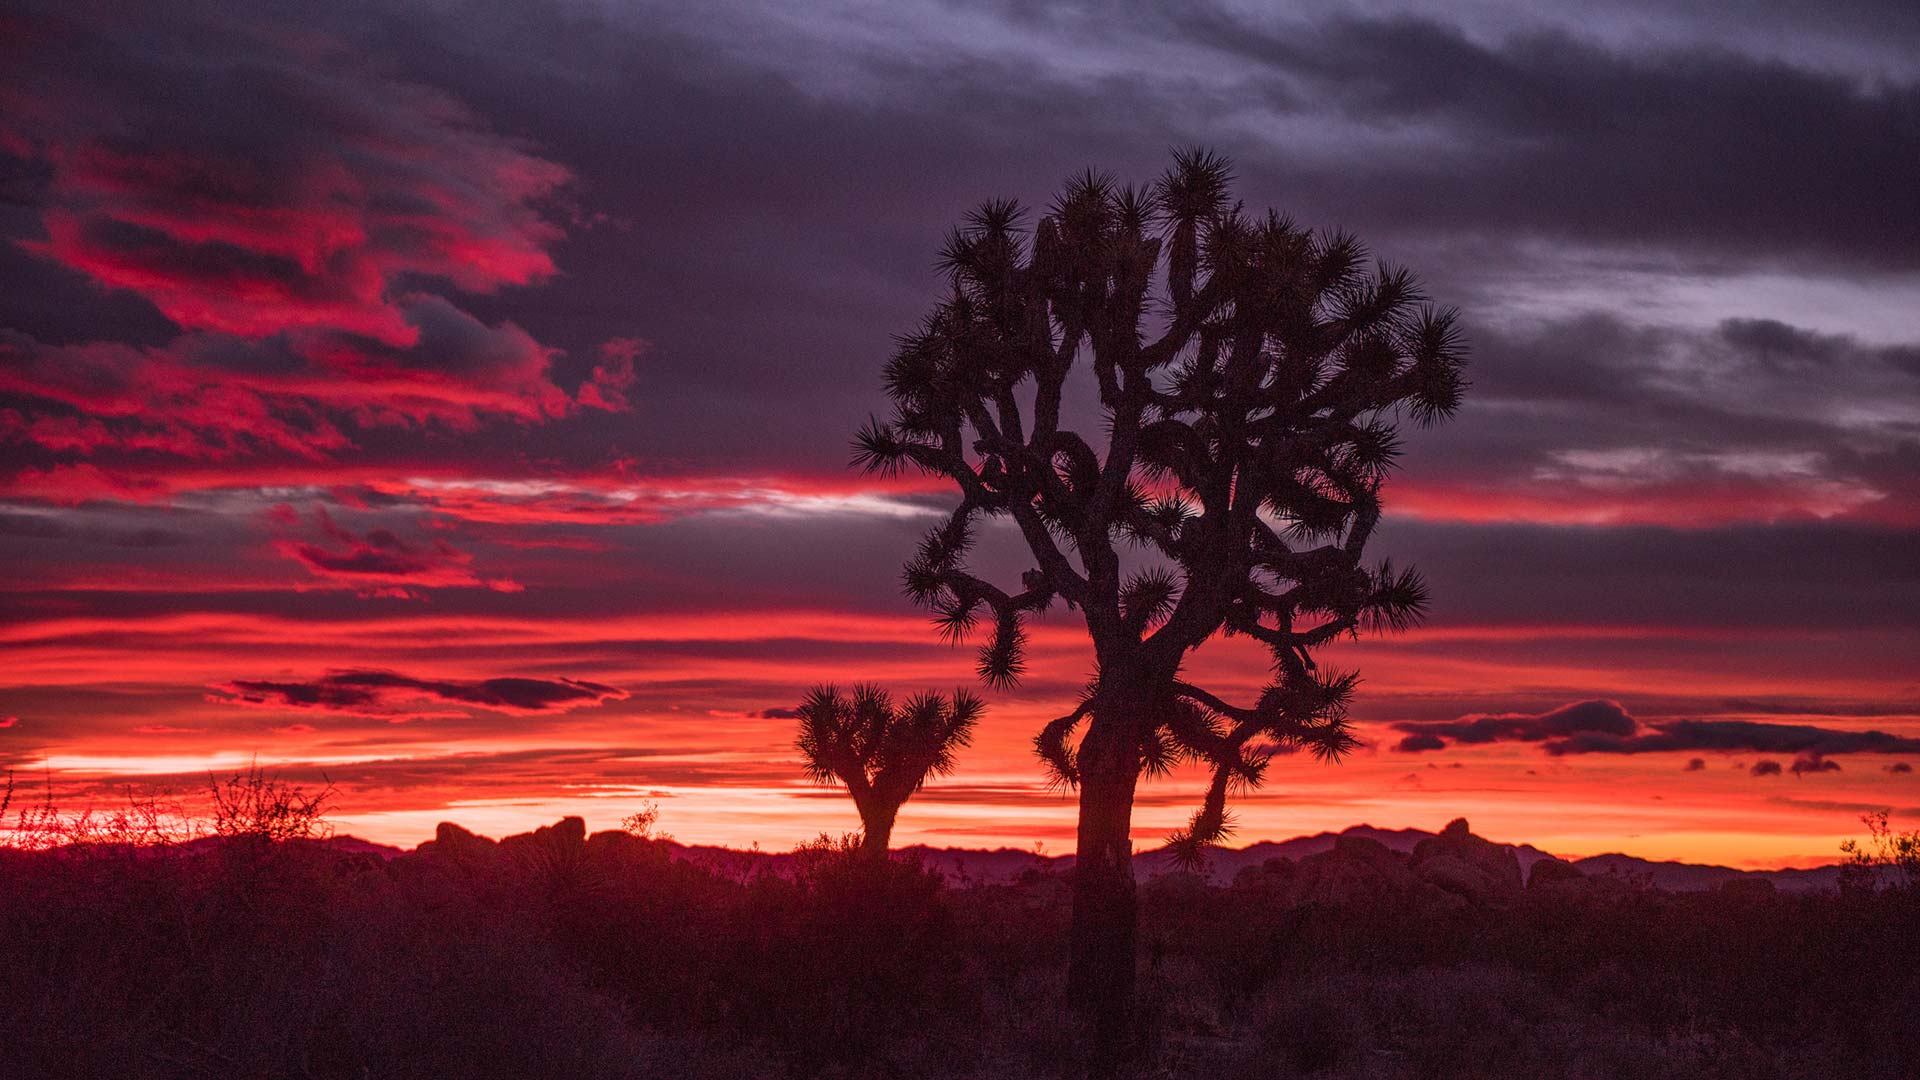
(1251, 376)
(881, 750)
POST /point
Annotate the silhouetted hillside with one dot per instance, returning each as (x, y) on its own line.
(555, 953)
(997, 866)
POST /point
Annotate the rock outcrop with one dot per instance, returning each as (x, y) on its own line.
(563, 836)
(1357, 871)
(1555, 874)
(451, 841)
(1471, 867)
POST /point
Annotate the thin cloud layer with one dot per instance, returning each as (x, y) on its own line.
(390, 695)
(1605, 727)
(1603, 717)
(379, 560)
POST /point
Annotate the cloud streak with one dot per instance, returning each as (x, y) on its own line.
(379, 561)
(1605, 727)
(390, 695)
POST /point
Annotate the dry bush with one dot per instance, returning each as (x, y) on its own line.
(644, 823)
(145, 821)
(1887, 857)
(250, 805)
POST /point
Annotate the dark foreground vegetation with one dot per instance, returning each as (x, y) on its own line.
(558, 954)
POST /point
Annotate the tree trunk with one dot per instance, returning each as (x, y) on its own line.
(1100, 976)
(876, 827)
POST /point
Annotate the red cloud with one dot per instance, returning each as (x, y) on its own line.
(379, 561)
(301, 245)
(613, 376)
(1694, 502)
(304, 216)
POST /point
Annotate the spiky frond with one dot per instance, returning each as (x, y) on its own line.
(822, 740)
(927, 733)
(1189, 846)
(1339, 263)
(954, 618)
(1135, 208)
(1370, 453)
(1004, 659)
(1195, 187)
(1311, 713)
(879, 449)
(1332, 741)
(929, 579)
(1086, 196)
(1056, 752)
(1309, 513)
(1148, 597)
(1159, 753)
(1438, 374)
(1396, 601)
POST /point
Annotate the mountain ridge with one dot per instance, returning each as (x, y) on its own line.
(987, 866)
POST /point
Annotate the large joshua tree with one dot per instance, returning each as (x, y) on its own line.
(882, 752)
(1250, 376)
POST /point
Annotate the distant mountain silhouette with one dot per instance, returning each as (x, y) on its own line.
(995, 866)
(1698, 877)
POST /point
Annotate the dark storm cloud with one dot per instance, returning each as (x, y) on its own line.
(1734, 736)
(1812, 763)
(1415, 743)
(1831, 575)
(1604, 360)
(1792, 706)
(1604, 727)
(1765, 768)
(1747, 420)
(1605, 717)
(389, 694)
(1557, 135)
(1541, 125)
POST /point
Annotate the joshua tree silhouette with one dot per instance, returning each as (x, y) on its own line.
(883, 753)
(1250, 374)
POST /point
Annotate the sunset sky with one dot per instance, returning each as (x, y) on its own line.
(455, 400)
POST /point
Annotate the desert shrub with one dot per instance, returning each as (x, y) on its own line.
(252, 806)
(611, 956)
(852, 959)
(1887, 857)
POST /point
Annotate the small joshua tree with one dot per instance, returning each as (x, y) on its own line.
(883, 753)
(1250, 375)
